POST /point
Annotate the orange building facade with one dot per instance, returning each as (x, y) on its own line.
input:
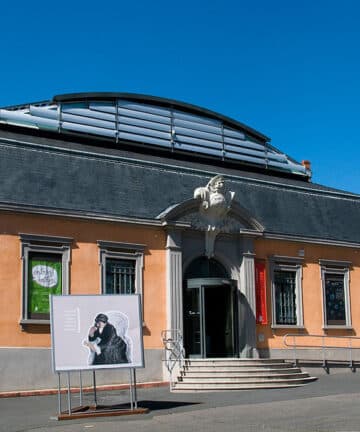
(224, 237)
(315, 258)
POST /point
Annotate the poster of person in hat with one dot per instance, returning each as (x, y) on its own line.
(106, 346)
(91, 332)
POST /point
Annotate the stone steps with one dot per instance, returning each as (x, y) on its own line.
(227, 387)
(238, 374)
(235, 363)
(237, 367)
(236, 360)
(240, 378)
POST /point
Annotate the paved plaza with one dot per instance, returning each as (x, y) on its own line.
(330, 404)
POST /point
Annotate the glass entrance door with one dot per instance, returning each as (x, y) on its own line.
(209, 317)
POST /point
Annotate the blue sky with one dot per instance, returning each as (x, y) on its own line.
(289, 69)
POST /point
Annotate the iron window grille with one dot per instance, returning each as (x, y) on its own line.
(121, 267)
(286, 291)
(285, 297)
(335, 281)
(120, 276)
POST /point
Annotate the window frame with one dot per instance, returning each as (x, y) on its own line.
(340, 268)
(45, 245)
(122, 251)
(293, 264)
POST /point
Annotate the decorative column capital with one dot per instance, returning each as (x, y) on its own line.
(174, 239)
(249, 254)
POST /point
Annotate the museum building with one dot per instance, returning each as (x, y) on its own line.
(225, 237)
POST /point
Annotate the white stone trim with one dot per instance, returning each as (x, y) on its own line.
(174, 280)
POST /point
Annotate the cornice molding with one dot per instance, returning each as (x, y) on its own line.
(111, 245)
(312, 240)
(36, 238)
(334, 263)
(286, 259)
(77, 215)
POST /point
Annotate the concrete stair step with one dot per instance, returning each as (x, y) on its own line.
(236, 360)
(241, 378)
(210, 386)
(232, 366)
(239, 374)
(237, 388)
(237, 371)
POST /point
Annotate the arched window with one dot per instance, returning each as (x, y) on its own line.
(202, 267)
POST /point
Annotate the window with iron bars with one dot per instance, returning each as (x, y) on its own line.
(285, 297)
(335, 279)
(286, 291)
(120, 276)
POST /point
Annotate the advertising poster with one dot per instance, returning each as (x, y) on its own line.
(44, 279)
(96, 332)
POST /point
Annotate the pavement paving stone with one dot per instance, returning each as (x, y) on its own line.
(331, 404)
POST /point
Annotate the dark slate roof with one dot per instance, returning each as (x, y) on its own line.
(73, 177)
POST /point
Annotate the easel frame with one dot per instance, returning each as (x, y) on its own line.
(67, 330)
(96, 410)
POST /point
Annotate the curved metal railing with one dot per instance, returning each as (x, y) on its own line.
(349, 345)
(174, 351)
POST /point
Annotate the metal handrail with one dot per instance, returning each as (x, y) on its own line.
(174, 351)
(323, 345)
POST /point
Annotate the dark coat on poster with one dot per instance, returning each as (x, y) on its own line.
(113, 347)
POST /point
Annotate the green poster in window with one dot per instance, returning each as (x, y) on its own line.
(45, 277)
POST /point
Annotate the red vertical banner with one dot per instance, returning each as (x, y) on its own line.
(260, 289)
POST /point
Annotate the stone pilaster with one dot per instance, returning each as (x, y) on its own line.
(174, 280)
(248, 306)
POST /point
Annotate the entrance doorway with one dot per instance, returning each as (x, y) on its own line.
(210, 312)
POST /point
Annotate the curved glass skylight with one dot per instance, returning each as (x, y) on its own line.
(153, 122)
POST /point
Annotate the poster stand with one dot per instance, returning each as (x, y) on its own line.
(96, 410)
(116, 320)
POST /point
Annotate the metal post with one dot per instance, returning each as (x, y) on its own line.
(69, 394)
(59, 393)
(81, 389)
(94, 386)
(135, 390)
(294, 344)
(131, 390)
(323, 354)
(351, 365)
(168, 364)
